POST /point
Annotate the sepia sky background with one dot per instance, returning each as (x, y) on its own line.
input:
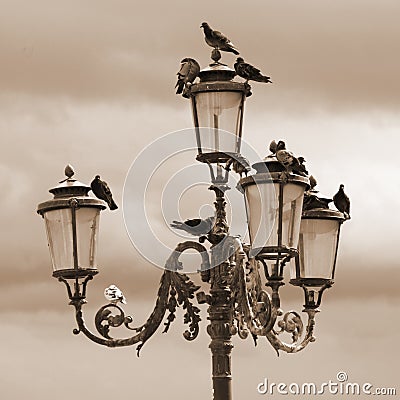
(91, 83)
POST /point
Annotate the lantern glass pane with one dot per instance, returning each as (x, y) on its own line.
(219, 111)
(87, 228)
(317, 248)
(263, 214)
(59, 237)
(261, 209)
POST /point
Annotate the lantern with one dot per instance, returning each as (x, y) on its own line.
(72, 224)
(314, 268)
(218, 106)
(274, 201)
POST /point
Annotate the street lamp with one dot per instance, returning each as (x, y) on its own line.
(282, 231)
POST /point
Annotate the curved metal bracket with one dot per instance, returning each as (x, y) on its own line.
(254, 309)
(257, 312)
(175, 290)
(295, 327)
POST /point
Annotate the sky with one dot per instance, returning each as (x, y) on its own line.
(91, 83)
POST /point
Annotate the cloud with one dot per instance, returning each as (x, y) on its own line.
(328, 54)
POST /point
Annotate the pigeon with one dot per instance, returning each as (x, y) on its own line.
(342, 202)
(288, 160)
(300, 169)
(239, 164)
(248, 72)
(190, 68)
(312, 201)
(313, 182)
(218, 40)
(196, 227)
(114, 295)
(103, 192)
(272, 147)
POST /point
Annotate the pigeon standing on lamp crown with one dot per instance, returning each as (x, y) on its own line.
(196, 227)
(272, 147)
(218, 40)
(248, 72)
(103, 192)
(289, 161)
(342, 202)
(114, 295)
(190, 68)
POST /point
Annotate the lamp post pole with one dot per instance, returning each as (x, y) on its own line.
(220, 309)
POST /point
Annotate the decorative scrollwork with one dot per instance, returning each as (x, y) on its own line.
(291, 323)
(114, 321)
(182, 290)
(253, 309)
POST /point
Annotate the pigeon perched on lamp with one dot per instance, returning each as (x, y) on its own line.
(300, 169)
(342, 202)
(196, 227)
(289, 161)
(239, 164)
(249, 72)
(114, 295)
(189, 71)
(312, 200)
(103, 192)
(313, 182)
(218, 41)
(272, 147)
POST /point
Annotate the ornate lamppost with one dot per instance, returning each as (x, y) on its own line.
(288, 223)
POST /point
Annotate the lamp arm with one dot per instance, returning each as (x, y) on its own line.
(291, 323)
(254, 309)
(257, 312)
(175, 289)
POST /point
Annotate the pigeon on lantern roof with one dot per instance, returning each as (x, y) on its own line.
(342, 202)
(189, 71)
(272, 147)
(249, 72)
(311, 200)
(103, 192)
(289, 161)
(313, 182)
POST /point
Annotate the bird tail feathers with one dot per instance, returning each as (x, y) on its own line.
(180, 85)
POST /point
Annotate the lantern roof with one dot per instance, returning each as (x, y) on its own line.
(67, 190)
(323, 213)
(70, 187)
(216, 72)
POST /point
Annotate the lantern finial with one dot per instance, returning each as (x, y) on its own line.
(69, 171)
